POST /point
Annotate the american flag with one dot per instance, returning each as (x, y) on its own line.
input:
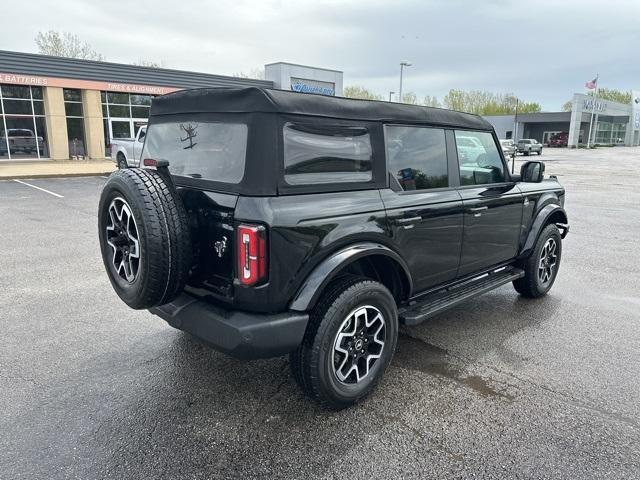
(591, 84)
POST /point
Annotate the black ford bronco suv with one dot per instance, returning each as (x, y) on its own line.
(268, 222)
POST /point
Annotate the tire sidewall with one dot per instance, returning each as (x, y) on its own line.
(128, 292)
(377, 296)
(550, 231)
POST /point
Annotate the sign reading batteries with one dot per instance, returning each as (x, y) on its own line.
(303, 85)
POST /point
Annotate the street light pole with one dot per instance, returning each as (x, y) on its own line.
(390, 94)
(515, 137)
(402, 65)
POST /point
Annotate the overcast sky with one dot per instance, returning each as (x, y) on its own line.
(540, 50)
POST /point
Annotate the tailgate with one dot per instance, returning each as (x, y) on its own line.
(211, 216)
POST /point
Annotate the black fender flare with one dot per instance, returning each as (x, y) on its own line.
(319, 278)
(542, 218)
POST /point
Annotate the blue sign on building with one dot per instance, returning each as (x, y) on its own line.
(312, 86)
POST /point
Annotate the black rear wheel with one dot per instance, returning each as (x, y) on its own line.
(349, 342)
(122, 161)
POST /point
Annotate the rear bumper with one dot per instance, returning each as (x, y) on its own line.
(244, 335)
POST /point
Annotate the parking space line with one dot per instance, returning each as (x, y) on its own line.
(39, 188)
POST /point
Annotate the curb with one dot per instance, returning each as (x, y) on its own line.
(56, 175)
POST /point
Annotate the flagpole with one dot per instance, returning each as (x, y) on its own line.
(593, 107)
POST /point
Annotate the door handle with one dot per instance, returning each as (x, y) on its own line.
(477, 211)
(406, 221)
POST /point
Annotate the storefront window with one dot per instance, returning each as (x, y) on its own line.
(608, 133)
(75, 122)
(22, 126)
(123, 114)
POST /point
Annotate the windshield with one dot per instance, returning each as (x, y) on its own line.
(208, 150)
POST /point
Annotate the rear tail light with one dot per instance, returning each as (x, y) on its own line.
(252, 254)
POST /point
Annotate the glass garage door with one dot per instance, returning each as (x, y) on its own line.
(22, 125)
(123, 114)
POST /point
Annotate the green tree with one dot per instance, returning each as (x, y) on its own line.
(487, 103)
(149, 63)
(431, 101)
(358, 91)
(256, 73)
(410, 98)
(611, 94)
(65, 44)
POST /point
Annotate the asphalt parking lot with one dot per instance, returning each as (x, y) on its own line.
(500, 387)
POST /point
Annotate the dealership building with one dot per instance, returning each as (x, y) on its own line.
(613, 123)
(55, 108)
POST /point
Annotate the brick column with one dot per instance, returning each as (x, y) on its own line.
(56, 123)
(93, 124)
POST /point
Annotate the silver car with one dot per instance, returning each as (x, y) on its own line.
(508, 147)
(528, 146)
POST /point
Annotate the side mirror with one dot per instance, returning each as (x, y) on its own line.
(532, 172)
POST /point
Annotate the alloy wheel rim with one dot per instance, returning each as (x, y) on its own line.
(123, 238)
(548, 261)
(359, 344)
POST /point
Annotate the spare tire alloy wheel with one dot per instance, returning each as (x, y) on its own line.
(122, 236)
(358, 344)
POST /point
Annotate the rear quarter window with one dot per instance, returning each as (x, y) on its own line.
(209, 150)
(326, 154)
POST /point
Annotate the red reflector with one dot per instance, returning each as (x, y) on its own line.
(251, 254)
(150, 162)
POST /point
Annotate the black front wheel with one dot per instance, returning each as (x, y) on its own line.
(541, 267)
(349, 342)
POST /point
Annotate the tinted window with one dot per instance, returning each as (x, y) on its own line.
(326, 154)
(481, 162)
(212, 151)
(417, 156)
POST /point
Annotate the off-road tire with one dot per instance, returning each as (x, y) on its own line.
(530, 285)
(163, 232)
(311, 363)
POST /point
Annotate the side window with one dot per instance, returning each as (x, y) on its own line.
(417, 156)
(479, 160)
(317, 154)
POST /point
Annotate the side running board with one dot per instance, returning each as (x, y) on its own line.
(442, 300)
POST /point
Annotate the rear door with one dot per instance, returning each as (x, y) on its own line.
(424, 210)
(492, 208)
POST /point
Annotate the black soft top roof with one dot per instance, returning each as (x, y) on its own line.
(264, 100)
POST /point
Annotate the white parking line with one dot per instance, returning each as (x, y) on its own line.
(39, 188)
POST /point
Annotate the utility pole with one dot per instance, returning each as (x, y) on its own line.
(593, 108)
(402, 65)
(515, 137)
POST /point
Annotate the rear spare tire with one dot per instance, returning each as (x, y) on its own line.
(144, 237)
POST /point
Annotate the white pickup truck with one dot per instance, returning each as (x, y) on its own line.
(126, 151)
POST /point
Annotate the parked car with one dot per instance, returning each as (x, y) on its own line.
(508, 147)
(21, 140)
(125, 152)
(469, 149)
(559, 140)
(268, 222)
(528, 146)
